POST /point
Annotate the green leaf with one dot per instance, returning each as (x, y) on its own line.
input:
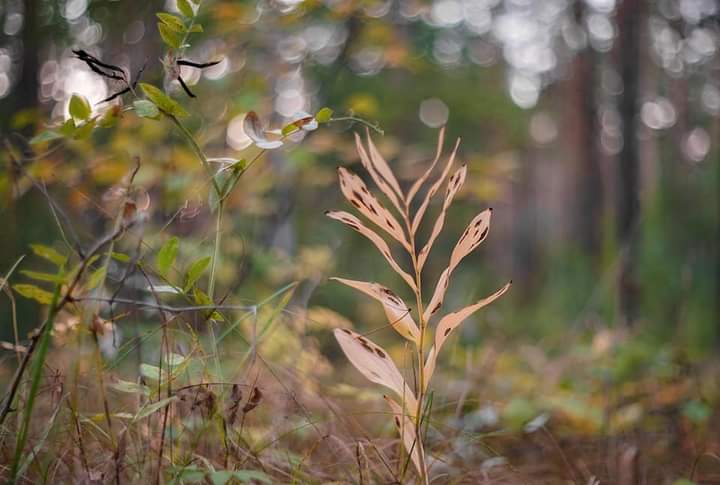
(123, 258)
(83, 131)
(201, 298)
(291, 128)
(324, 115)
(150, 371)
(68, 128)
(163, 101)
(45, 136)
(195, 271)
(173, 22)
(185, 8)
(38, 276)
(151, 408)
(48, 253)
(167, 254)
(96, 278)
(79, 107)
(146, 109)
(196, 28)
(34, 293)
(169, 36)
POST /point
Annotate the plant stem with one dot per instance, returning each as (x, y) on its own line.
(218, 227)
(420, 348)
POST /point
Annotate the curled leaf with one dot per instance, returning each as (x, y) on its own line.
(397, 312)
(255, 131)
(354, 222)
(374, 363)
(474, 234)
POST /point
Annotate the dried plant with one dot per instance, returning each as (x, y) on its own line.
(369, 358)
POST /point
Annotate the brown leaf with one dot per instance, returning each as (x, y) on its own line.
(233, 406)
(429, 367)
(397, 312)
(419, 182)
(408, 435)
(382, 166)
(474, 234)
(381, 182)
(450, 322)
(375, 364)
(357, 193)
(255, 397)
(255, 131)
(456, 181)
(417, 219)
(354, 222)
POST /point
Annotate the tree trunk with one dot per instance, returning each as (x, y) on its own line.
(582, 122)
(628, 184)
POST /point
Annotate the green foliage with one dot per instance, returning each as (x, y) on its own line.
(195, 270)
(34, 293)
(79, 108)
(324, 115)
(185, 8)
(48, 253)
(163, 101)
(166, 256)
(146, 109)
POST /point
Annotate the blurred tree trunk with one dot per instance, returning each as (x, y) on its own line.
(628, 183)
(582, 122)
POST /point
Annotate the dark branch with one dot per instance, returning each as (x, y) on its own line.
(184, 86)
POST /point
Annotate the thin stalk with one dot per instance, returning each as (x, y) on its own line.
(218, 228)
(420, 346)
(36, 377)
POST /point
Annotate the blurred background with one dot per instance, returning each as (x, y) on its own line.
(590, 126)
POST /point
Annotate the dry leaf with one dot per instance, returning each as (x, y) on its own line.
(450, 322)
(419, 182)
(456, 181)
(397, 312)
(254, 130)
(354, 222)
(408, 435)
(429, 368)
(382, 166)
(254, 400)
(384, 185)
(474, 234)
(375, 364)
(357, 193)
(433, 190)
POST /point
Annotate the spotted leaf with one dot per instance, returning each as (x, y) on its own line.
(357, 193)
(354, 222)
(397, 312)
(474, 234)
